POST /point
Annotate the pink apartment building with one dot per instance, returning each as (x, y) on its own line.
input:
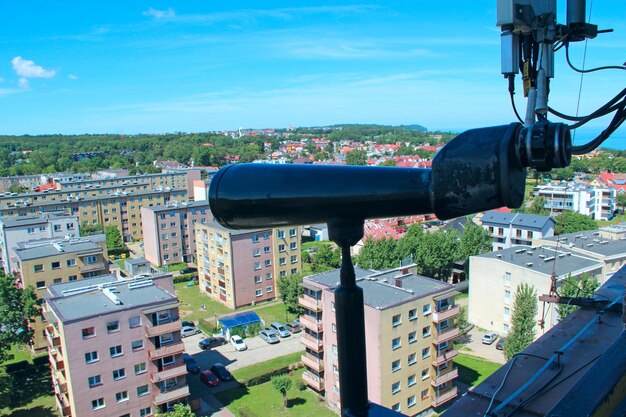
(409, 329)
(168, 231)
(114, 347)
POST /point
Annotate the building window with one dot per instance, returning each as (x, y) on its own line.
(89, 332)
(294, 259)
(294, 271)
(115, 351)
(255, 238)
(266, 249)
(395, 343)
(410, 402)
(145, 412)
(257, 265)
(142, 390)
(94, 381)
(72, 278)
(257, 279)
(412, 358)
(507, 296)
(268, 275)
(256, 252)
(396, 407)
(71, 262)
(281, 248)
(97, 404)
(426, 309)
(293, 245)
(506, 328)
(281, 234)
(269, 289)
(396, 320)
(41, 284)
(268, 262)
(413, 314)
(137, 345)
(426, 331)
(411, 380)
(283, 274)
(412, 337)
(395, 365)
(31, 230)
(425, 394)
(292, 232)
(334, 328)
(113, 326)
(134, 321)
(395, 387)
(282, 261)
(140, 368)
(56, 265)
(121, 396)
(444, 325)
(39, 268)
(119, 374)
(425, 373)
(507, 313)
(425, 352)
(91, 357)
(258, 292)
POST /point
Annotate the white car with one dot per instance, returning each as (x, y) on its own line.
(238, 343)
(189, 331)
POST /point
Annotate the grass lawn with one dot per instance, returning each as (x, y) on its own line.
(191, 299)
(275, 312)
(176, 267)
(264, 400)
(20, 353)
(317, 244)
(120, 263)
(473, 370)
(41, 406)
(31, 392)
(244, 374)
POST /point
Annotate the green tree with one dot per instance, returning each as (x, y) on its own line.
(17, 188)
(179, 410)
(474, 241)
(537, 206)
(290, 291)
(436, 254)
(325, 259)
(378, 254)
(388, 163)
(282, 384)
(17, 308)
(621, 201)
(523, 321)
(357, 157)
(571, 287)
(113, 238)
(572, 222)
(87, 229)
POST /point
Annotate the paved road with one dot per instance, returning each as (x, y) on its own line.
(474, 342)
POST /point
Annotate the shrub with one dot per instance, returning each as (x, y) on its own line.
(244, 411)
(262, 379)
(185, 278)
(300, 385)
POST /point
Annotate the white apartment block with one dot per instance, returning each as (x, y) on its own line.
(595, 202)
(514, 229)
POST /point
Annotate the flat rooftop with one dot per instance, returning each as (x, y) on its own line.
(45, 248)
(215, 225)
(179, 206)
(82, 299)
(544, 259)
(591, 241)
(34, 220)
(519, 220)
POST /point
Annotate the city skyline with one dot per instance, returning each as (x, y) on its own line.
(164, 67)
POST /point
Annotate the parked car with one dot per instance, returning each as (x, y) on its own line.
(191, 270)
(189, 331)
(211, 342)
(188, 324)
(294, 327)
(500, 344)
(221, 372)
(269, 336)
(489, 338)
(209, 378)
(238, 343)
(191, 363)
(279, 329)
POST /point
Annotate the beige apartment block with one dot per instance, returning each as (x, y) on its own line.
(168, 231)
(240, 267)
(495, 276)
(42, 263)
(114, 347)
(410, 327)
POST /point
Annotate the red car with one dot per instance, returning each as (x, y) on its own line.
(209, 378)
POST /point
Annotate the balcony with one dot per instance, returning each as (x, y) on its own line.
(63, 405)
(168, 350)
(311, 323)
(53, 339)
(312, 362)
(96, 266)
(446, 336)
(172, 372)
(312, 343)
(313, 381)
(445, 357)
(59, 382)
(56, 360)
(442, 379)
(310, 303)
(446, 314)
(444, 397)
(172, 395)
(159, 329)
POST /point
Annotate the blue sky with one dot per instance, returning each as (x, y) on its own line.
(152, 67)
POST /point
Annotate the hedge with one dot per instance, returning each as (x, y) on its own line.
(262, 379)
(244, 411)
(186, 278)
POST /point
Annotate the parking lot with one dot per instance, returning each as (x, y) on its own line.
(258, 351)
(473, 341)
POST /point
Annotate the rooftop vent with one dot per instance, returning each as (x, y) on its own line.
(108, 291)
(530, 264)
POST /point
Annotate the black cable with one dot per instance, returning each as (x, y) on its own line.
(584, 71)
(610, 106)
(511, 78)
(618, 119)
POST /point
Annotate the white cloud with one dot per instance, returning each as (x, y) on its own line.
(26, 68)
(23, 82)
(72, 77)
(160, 14)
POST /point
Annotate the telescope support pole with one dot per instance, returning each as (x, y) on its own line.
(350, 322)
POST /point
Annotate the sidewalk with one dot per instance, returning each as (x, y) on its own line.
(210, 406)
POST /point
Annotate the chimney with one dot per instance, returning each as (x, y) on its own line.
(398, 282)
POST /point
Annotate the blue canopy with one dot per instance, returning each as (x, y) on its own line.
(242, 319)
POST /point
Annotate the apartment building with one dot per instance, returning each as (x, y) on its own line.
(240, 267)
(607, 245)
(42, 263)
(595, 202)
(109, 206)
(495, 276)
(177, 179)
(514, 229)
(409, 331)
(168, 231)
(114, 347)
(14, 230)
